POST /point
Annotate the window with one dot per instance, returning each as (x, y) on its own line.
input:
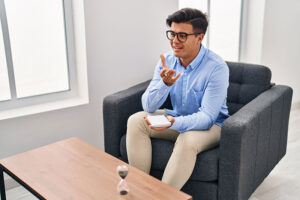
(224, 29)
(38, 46)
(42, 56)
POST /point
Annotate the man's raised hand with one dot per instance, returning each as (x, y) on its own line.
(167, 74)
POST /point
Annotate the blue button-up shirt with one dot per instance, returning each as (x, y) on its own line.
(199, 95)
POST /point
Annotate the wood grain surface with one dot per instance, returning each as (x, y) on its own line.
(74, 169)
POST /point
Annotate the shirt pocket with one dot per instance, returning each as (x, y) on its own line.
(197, 96)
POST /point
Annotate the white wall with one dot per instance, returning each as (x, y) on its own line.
(281, 43)
(124, 40)
(271, 37)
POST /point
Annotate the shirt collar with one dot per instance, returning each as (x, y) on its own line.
(196, 60)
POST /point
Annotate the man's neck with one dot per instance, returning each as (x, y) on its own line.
(186, 61)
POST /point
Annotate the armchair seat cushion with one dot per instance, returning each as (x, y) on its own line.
(206, 168)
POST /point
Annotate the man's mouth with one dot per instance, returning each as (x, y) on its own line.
(177, 48)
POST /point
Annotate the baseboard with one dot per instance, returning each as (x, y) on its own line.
(296, 105)
(9, 182)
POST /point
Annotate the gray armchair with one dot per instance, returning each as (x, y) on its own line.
(253, 138)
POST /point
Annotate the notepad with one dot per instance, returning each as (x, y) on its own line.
(159, 121)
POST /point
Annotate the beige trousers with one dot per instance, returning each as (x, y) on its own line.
(182, 161)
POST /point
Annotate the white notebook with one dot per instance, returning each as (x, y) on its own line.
(159, 121)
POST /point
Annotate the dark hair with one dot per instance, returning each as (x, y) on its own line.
(190, 16)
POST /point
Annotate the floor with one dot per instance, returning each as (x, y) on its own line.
(283, 183)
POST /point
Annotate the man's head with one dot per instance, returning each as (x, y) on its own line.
(188, 27)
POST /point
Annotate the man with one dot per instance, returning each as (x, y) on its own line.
(196, 80)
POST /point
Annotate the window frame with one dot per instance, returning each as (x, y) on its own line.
(77, 68)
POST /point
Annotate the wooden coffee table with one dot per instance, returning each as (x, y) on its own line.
(73, 169)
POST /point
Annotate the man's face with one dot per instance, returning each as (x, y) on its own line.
(191, 46)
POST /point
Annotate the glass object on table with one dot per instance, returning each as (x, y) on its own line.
(122, 187)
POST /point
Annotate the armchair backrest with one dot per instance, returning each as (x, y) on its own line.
(246, 81)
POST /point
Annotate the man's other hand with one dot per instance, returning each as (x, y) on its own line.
(167, 74)
(170, 118)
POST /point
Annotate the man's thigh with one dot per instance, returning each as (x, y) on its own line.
(201, 140)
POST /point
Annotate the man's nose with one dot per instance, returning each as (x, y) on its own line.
(176, 39)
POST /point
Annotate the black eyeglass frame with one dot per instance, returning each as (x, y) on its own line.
(176, 35)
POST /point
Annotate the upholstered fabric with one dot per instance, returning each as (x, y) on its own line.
(253, 141)
(246, 81)
(253, 138)
(117, 108)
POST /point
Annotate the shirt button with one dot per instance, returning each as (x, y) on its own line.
(182, 104)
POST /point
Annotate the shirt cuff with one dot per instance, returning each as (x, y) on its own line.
(171, 112)
(177, 124)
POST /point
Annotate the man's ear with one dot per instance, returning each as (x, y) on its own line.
(201, 37)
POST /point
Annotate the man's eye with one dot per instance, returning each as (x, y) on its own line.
(173, 34)
(182, 36)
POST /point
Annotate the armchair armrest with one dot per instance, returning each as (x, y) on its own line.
(116, 110)
(253, 140)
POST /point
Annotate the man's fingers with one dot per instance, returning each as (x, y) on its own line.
(178, 75)
(166, 74)
(147, 121)
(163, 61)
(170, 73)
(158, 128)
(162, 72)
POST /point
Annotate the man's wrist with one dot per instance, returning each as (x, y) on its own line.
(171, 119)
(177, 124)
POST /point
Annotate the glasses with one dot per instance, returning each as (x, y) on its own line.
(181, 36)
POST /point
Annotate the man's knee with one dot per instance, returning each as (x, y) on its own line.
(136, 118)
(136, 124)
(186, 142)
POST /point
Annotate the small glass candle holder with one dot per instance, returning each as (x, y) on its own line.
(122, 187)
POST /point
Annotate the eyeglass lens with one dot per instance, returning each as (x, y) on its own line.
(180, 36)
